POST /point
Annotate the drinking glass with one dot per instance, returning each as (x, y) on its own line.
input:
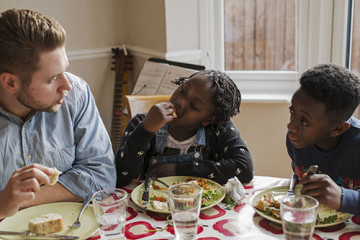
(185, 203)
(110, 207)
(298, 216)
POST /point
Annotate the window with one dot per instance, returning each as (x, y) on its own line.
(259, 35)
(265, 45)
(355, 39)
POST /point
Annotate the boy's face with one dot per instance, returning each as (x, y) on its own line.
(308, 123)
(193, 103)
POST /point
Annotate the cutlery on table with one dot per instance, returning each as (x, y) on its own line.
(145, 196)
(86, 202)
(45, 236)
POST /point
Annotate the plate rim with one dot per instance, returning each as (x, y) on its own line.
(84, 236)
(163, 211)
(286, 187)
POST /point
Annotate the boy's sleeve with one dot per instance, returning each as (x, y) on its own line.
(350, 201)
(231, 157)
(133, 148)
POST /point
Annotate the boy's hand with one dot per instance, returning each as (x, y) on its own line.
(22, 186)
(158, 115)
(164, 170)
(323, 188)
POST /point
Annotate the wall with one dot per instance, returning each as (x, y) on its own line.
(183, 36)
(90, 25)
(263, 125)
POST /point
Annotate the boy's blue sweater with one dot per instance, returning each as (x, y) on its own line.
(342, 164)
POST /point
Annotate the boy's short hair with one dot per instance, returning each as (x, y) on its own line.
(336, 87)
(24, 34)
(227, 98)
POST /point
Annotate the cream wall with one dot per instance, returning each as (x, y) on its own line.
(263, 126)
(90, 25)
(157, 28)
(145, 24)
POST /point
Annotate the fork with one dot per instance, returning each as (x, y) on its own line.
(293, 181)
(158, 180)
(86, 202)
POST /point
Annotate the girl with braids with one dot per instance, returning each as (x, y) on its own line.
(198, 140)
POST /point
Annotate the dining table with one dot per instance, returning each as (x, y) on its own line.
(224, 222)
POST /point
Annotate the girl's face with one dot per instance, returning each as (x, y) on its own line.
(193, 102)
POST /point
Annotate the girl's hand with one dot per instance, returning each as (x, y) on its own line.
(22, 186)
(158, 115)
(323, 188)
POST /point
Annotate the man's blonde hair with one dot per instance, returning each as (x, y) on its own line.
(24, 34)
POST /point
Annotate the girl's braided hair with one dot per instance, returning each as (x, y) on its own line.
(227, 97)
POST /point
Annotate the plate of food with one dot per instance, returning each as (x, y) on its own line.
(23, 220)
(213, 193)
(267, 205)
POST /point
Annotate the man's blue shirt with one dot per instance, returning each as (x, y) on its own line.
(73, 139)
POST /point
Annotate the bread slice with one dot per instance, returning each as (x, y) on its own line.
(55, 176)
(48, 223)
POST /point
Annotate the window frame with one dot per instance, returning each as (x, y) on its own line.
(322, 28)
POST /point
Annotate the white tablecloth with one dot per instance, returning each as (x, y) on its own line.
(219, 223)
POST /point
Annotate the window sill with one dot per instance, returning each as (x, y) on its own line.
(266, 98)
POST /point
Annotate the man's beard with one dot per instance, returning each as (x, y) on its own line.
(28, 101)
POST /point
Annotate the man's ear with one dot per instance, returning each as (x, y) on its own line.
(339, 128)
(208, 121)
(9, 82)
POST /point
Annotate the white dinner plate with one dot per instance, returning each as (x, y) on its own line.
(136, 194)
(277, 192)
(68, 210)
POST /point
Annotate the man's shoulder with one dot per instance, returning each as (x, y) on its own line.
(80, 89)
(76, 82)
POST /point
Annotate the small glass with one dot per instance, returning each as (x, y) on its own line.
(185, 204)
(298, 216)
(110, 206)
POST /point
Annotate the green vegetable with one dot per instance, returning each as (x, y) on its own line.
(329, 219)
(209, 197)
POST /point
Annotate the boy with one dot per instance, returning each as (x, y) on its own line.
(322, 131)
(48, 118)
(198, 140)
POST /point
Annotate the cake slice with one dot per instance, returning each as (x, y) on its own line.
(48, 223)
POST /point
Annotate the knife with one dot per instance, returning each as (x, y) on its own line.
(47, 236)
(293, 181)
(145, 196)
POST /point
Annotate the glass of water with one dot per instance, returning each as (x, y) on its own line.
(185, 204)
(110, 206)
(298, 216)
